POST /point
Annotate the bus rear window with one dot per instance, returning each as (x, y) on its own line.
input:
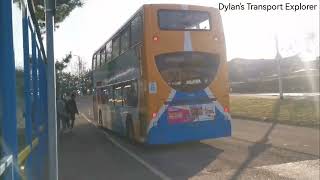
(188, 71)
(183, 20)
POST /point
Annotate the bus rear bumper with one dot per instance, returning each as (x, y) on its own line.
(195, 131)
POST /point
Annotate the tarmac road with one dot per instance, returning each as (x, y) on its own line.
(255, 151)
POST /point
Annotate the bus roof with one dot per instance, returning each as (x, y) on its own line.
(141, 9)
(119, 29)
(181, 5)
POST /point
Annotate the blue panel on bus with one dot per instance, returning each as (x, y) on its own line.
(164, 133)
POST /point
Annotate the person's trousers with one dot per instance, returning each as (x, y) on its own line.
(59, 119)
(65, 123)
(72, 119)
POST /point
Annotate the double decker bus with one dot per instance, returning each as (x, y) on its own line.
(162, 77)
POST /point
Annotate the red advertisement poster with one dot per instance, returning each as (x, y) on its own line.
(189, 113)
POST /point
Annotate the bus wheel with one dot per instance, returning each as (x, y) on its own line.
(129, 128)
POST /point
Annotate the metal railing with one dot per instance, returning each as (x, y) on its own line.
(5, 164)
(31, 162)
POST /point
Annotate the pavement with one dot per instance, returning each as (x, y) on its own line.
(256, 150)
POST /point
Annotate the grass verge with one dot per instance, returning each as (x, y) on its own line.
(300, 112)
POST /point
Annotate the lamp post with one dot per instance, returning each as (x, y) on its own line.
(80, 66)
(51, 76)
(278, 59)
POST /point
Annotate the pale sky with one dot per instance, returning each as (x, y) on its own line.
(249, 34)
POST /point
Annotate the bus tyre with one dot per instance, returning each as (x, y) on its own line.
(130, 131)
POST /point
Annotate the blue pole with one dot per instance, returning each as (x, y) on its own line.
(34, 80)
(46, 112)
(51, 82)
(46, 137)
(35, 104)
(42, 117)
(8, 87)
(39, 113)
(27, 90)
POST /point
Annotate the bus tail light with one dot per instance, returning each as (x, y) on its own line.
(155, 38)
(226, 109)
(154, 115)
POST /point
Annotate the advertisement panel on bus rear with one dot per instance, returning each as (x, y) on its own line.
(191, 113)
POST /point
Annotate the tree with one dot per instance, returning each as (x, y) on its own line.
(63, 10)
(85, 82)
(61, 77)
(80, 66)
(60, 65)
(67, 82)
(84, 76)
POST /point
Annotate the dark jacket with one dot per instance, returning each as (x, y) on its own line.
(72, 107)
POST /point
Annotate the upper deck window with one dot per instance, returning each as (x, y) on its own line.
(94, 63)
(98, 60)
(136, 30)
(102, 56)
(108, 51)
(125, 40)
(116, 47)
(183, 20)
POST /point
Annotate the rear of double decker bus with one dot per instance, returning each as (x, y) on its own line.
(187, 76)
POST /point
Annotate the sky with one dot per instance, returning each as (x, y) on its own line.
(249, 34)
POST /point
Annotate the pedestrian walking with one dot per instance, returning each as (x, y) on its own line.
(62, 114)
(72, 109)
(60, 106)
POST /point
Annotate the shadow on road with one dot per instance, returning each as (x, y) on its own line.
(260, 146)
(178, 161)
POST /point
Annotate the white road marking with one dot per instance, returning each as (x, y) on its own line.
(133, 155)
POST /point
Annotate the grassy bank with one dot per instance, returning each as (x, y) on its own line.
(301, 112)
(292, 84)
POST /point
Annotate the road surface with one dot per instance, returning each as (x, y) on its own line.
(255, 151)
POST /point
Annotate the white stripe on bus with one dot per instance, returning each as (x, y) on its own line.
(163, 108)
